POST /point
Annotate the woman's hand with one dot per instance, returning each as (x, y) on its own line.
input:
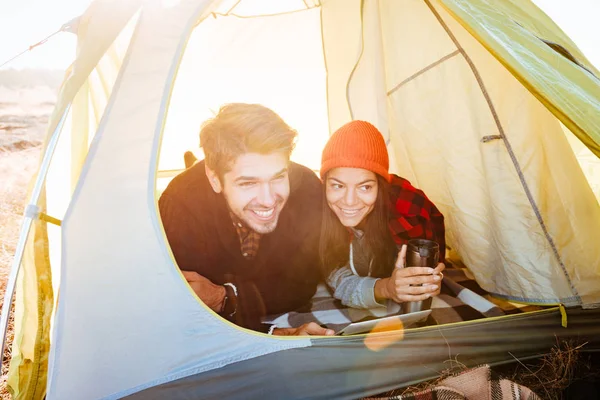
(401, 285)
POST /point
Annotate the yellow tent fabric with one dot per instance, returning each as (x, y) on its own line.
(515, 33)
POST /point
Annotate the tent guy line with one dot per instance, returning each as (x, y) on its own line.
(33, 46)
(70, 26)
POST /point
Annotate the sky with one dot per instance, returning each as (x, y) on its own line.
(25, 22)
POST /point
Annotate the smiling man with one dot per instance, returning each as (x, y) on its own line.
(244, 223)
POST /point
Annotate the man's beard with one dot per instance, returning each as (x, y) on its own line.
(263, 229)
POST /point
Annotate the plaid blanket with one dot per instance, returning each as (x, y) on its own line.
(478, 383)
(461, 299)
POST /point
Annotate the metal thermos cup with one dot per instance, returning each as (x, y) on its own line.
(420, 253)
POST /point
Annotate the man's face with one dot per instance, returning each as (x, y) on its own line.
(256, 189)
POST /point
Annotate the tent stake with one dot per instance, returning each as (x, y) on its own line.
(31, 213)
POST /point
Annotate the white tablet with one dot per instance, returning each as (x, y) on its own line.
(392, 323)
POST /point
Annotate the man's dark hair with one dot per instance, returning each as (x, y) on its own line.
(240, 128)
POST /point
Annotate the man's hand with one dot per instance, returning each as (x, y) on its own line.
(409, 284)
(212, 295)
(309, 329)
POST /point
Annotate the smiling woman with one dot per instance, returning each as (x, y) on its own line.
(371, 214)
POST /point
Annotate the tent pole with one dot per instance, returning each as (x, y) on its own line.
(31, 213)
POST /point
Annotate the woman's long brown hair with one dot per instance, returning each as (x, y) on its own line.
(334, 245)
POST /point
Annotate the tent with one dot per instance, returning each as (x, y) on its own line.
(489, 108)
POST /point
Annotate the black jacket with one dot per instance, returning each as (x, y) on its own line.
(283, 275)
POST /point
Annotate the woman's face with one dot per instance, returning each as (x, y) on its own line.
(351, 194)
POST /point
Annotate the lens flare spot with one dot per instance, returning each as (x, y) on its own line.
(376, 342)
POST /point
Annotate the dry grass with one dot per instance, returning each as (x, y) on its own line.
(551, 374)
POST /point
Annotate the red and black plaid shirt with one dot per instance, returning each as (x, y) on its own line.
(249, 238)
(414, 216)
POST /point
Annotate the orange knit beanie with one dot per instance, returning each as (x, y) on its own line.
(358, 144)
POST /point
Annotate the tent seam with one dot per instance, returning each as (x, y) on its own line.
(237, 3)
(564, 300)
(508, 148)
(422, 71)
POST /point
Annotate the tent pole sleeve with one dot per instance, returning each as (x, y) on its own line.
(26, 227)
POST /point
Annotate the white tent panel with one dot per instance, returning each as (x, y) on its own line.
(80, 126)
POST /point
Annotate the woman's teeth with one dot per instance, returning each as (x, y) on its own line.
(350, 213)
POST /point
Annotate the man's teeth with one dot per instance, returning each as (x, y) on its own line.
(264, 214)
